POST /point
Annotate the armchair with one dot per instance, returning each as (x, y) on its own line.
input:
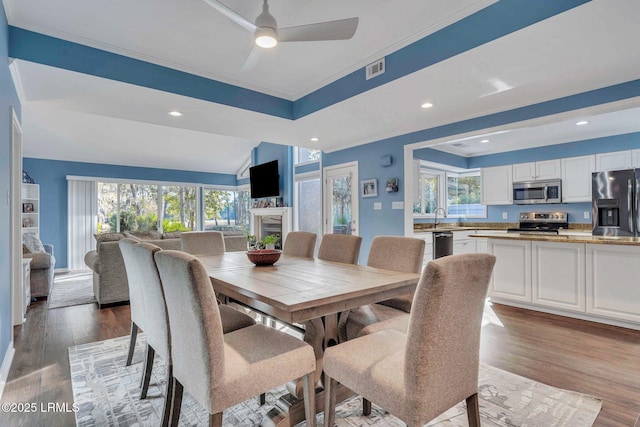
(42, 265)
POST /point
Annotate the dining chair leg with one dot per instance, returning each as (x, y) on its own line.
(366, 407)
(146, 372)
(329, 401)
(215, 420)
(309, 390)
(132, 343)
(473, 410)
(166, 411)
(176, 402)
(262, 399)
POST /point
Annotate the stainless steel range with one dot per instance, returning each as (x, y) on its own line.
(541, 223)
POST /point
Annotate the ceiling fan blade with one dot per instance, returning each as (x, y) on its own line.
(231, 14)
(342, 29)
(252, 59)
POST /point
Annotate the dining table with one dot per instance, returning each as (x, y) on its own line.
(309, 292)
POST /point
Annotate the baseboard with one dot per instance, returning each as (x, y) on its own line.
(6, 365)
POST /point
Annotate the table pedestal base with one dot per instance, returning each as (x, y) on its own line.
(289, 410)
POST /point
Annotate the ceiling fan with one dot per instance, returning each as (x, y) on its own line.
(267, 34)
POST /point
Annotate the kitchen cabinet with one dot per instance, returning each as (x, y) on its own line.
(612, 281)
(511, 277)
(496, 183)
(428, 246)
(547, 169)
(558, 275)
(614, 161)
(482, 246)
(462, 243)
(576, 178)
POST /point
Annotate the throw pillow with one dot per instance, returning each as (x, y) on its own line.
(108, 237)
(171, 235)
(33, 243)
(143, 235)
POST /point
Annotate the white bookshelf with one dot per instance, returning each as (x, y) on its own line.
(31, 209)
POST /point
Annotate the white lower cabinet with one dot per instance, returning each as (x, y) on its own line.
(612, 281)
(512, 273)
(462, 243)
(558, 275)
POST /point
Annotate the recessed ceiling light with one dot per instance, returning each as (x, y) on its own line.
(582, 122)
(314, 139)
(484, 141)
(427, 105)
(175, 113)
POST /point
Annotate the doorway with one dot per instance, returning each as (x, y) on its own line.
(341, 199)
(16, 224)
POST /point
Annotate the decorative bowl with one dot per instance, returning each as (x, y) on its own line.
(264, 256)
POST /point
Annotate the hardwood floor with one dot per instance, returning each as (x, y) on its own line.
(591, 358)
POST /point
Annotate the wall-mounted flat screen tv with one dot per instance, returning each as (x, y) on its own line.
(264, 180)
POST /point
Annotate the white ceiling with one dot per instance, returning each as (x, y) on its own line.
(71, 116)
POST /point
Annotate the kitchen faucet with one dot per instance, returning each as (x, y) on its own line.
(435, 218)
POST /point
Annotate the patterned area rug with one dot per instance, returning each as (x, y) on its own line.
(108, 394)
(72, 289)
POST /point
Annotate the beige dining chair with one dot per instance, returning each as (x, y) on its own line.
(343, 248)
(390, 253)
(300, 243)
(418, 375)
(136, 302)
(142, 274)
(202, 242)
(221, 370)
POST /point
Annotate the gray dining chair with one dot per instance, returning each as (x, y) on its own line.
(343, 248)
(300, 243)
(143, 275)
(221, 370)
(418, 375)
(202, 242)
(390, 253)
(136, 303)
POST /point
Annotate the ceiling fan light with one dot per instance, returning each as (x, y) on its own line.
(266, 37)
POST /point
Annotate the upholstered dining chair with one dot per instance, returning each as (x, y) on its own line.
(343, 248)
(418, 375)
(221, 370)
(136, 301)
(390, 253)
(300, 243)
(202, 242)
(143, 275)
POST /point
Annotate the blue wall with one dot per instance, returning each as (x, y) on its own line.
(8, 100)
(52, 177)
(267, 152)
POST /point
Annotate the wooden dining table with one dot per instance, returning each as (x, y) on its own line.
(306, 291)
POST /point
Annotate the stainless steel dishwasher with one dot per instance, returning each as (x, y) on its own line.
(442, 244)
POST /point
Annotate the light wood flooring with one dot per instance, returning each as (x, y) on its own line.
(591, 358)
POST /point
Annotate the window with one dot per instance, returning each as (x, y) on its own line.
(458, 192)
(179, 208)
(307, 155)
(225, 209)
(463, 195)
(430, 192)
(308, 204)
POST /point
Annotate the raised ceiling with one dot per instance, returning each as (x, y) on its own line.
(79, 117)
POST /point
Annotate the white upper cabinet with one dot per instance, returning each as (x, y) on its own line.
(614, 161)
(548, 169)
(497, 185)
(635, 158)
(576, 178)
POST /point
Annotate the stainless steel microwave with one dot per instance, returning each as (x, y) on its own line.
(534, 192)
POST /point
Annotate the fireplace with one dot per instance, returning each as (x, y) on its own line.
(266, 221)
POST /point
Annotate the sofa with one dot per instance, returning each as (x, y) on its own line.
(42, 265)
(110, 283)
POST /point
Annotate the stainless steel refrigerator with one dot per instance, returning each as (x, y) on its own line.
(615, 197)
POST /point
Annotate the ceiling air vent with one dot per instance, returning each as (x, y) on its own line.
(375, 68)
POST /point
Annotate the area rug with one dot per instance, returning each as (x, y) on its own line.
(107, 393)
(72, 289)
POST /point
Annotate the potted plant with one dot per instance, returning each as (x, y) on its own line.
(269, 242)
(252, 241)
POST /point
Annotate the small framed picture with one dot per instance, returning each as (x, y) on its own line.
(369, 187)
(392, 185)
(26, 222)
(27, 207)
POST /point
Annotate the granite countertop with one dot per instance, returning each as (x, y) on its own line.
(562, 238)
